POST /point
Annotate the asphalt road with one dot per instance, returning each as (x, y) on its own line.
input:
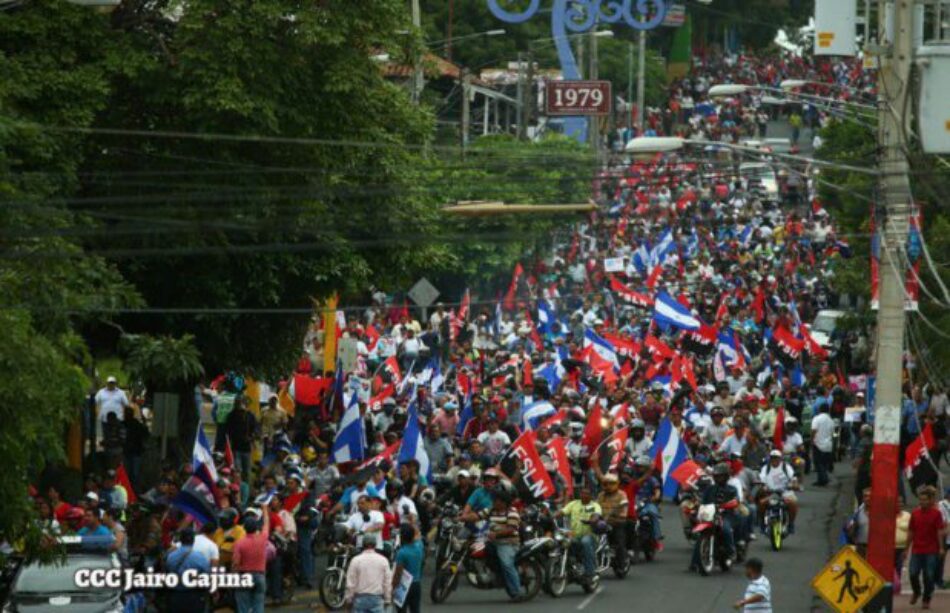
(665, 585)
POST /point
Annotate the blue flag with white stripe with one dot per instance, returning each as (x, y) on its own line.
(535, 413)
(350, 442)
(412, 447)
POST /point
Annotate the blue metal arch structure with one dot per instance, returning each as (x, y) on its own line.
(578, 16)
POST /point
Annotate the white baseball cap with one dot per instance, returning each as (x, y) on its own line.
(111, 379)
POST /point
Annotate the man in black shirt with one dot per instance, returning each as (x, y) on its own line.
(719, 494)
(136, 435)
(241, 428)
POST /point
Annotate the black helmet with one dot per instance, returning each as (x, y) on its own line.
(227, 518)
(395, 486)
(721, 469)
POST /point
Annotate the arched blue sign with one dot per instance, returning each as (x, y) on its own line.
(577, 16)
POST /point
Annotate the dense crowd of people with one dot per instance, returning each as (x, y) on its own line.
(673, 318)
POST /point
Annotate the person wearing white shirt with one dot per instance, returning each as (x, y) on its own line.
(110, 399)
(822, 436)
(366, 521)
(758, 594)
(777, 476)
(494, 440)
(207, 547)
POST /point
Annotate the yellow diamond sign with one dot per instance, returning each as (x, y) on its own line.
(847, 582)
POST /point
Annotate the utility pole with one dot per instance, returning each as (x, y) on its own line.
(531, 99)
(448, 30)
(896, 59)
(630, 83)
(417, 76)
(466, 107)
(641, 81)
(521, 97)
(593, 131)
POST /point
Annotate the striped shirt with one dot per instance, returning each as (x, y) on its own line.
(500, 521)
(760, 587)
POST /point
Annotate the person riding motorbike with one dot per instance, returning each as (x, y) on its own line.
(650, 491)
(777, 476)
(613, 503)
(719, 494)
(504, 525)
(580, 514)
(638, 444)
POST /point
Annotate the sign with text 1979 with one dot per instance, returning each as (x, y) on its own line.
(578, 98)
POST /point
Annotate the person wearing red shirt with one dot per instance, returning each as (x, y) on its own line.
(926, 537)
(250, 556)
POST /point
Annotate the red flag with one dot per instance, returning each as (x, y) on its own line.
(513, 287)
(917, 450)
(533, 335)
(535, 477)
(293, 501)
(554, 420)
(463, 308)
(687, 474)
(623, 413)
(527, 373)
(558, 448)
(654, 276)
(630, 296)
(372, 335)
(659, 349)
(386, 454)
(758, 304)
(812, 346)
(622, 344)
(228, 453)
(610, 451)
(122, 478)
(778, 435)
(376, 402)
(594, 430)
(464, 384)
(391, 368)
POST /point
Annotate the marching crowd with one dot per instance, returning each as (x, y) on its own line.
(659, 350)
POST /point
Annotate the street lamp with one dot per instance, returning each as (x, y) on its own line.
(724, 90)
(436, 44)
(645, 145)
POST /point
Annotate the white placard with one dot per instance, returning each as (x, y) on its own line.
(613, 264)
(836, 27)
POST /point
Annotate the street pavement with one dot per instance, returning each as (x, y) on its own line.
(665, 585)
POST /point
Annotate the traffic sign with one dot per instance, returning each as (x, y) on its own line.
(847, 582)
(423, 293)
(573, 98)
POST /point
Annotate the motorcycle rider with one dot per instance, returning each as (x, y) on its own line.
(719, 494)
(504, 526)
(613, 504)
(580, 514)
(777, 476)
(228, 533)
(716, 433)
(649, 491)
(638, 444)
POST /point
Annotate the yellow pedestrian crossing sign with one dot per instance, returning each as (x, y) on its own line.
(847, 582)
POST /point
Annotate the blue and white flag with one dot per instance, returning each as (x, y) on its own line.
(350, 442)
(641, 259)
(533, 414)
(412, 447)
(602, 348)
(746, 237)
(466, 415)
(431, 376)
(667, 311)
(202, 461)
(546, 317)
(662, 249)
(667, 453)
(692, 245)
(552, 373)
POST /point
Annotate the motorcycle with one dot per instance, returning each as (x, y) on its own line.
(712, 545)
(333, 582)
(644, 543)
(471, 558)
(776, 520)
(443, 538)
(605, 556)
(563, 566)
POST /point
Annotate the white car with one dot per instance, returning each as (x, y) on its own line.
(765, 174)
(822, 329)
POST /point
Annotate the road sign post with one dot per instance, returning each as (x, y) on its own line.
(847, 582)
